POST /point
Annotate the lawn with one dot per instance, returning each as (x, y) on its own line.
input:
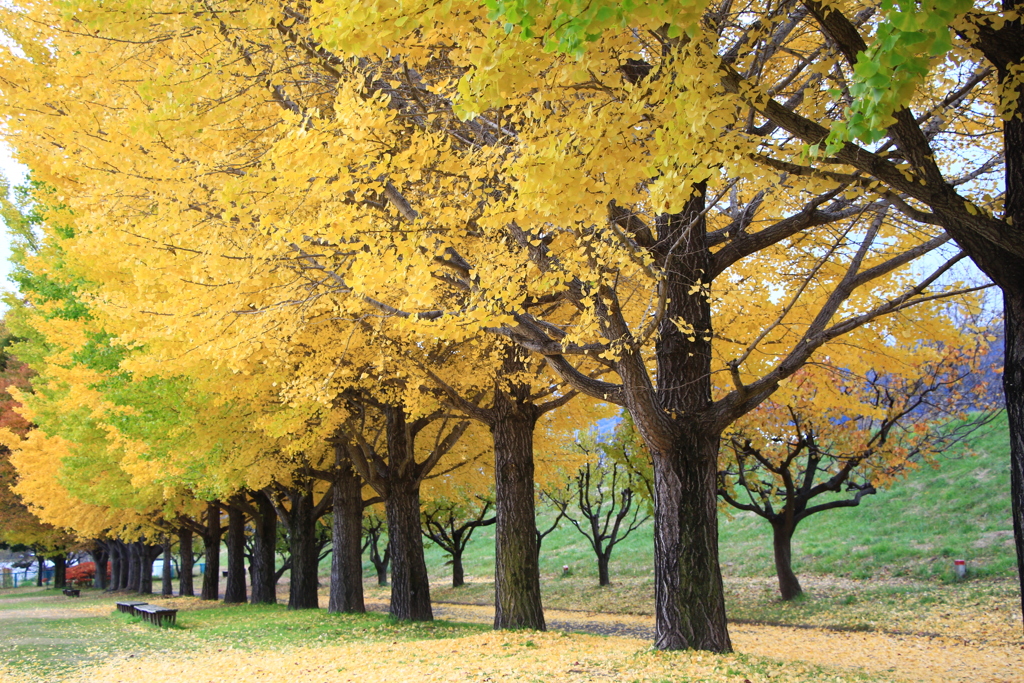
(881, 604)
(973, 634)
(54, 639)
(959, 510)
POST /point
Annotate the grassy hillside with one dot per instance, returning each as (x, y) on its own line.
(917, 528)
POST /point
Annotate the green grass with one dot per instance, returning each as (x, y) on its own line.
(20, 592)
(900, 542)
(914, 529)
(46, 646)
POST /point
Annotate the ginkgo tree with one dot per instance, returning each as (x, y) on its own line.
(827, 439)
(146, 445)
(924, 99)
(18, 525)
(282, 172)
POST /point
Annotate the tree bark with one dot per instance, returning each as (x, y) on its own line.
(211, 548)
(166, 583)
(347, 531)
(186, 587)
(682, 437)
(144, 568)
(126, 565)
(234, 592)
(689, 595)
(133, 566)
(458, 572)
(1013, 388)
(603, 576)
(147, 555)
(41, 564)
(782, 537)
(410, 584)
(100, 557)
(264, 579)
(302, 591)
(517, 600)
(1013, 295)
(381, 563)
(116, 565)
(60, 567)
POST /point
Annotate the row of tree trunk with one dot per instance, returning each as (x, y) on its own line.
(131, 566)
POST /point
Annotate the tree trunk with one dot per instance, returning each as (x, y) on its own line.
(688, 593)
(211, 546)
(144, 568)
(682, 437)
(603, 577)
(347, 531)
(188, 561)
(458, 573)
(146, 558)
(116, 565)
(517, 601)
(302, 592)
(410, 585)
(381, 563)
(1013, 302)
(166, 584)
(234, 592)
(60, 568)
(126, 565)
(782, 536)
(1013, 388)
(264, 544)
(134, 561)
(41, 564)
(99, 558)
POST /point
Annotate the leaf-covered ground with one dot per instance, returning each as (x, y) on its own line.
(990, 649)
(973, 634)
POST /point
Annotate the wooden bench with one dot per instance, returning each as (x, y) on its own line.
(129, 607)
(158, 616)
(72, 593)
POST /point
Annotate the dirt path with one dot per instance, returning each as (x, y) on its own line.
(910, 657)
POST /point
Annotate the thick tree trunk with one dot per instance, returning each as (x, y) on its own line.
(302, 592)
(144, 568)
(381, 564)
(517, 601)
(264, 544)
(60, 568)
(782, 537)
(147, 554)
(167, 580)
(410, 584)
(134, 561)
(347, 531)
(126, 565)
(187, 564)
(458, 573)
(100, 557)
(1013, 300)
(234, 592)
(682, 438)
(603, 576)
(211, 548)
(1013, 387)
(116, 565)
(689, 596)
